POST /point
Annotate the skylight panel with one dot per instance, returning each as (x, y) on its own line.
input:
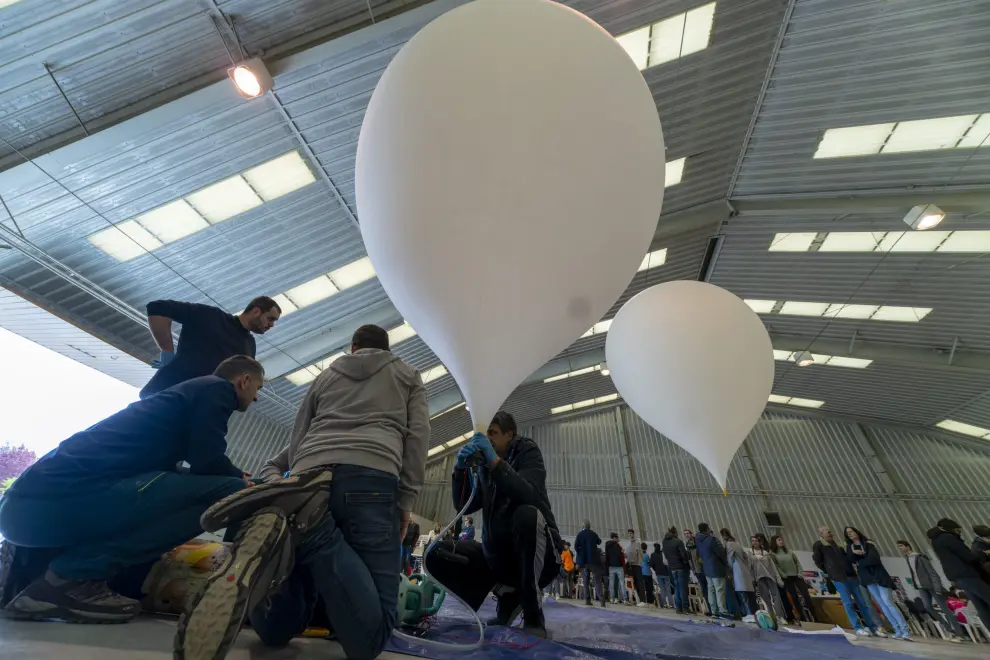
(665, 40)
(599, 328)
(401, 333)
(917, 241)
(674, 172)
(173, 221)
(776, 398)
(903, 314)
(303, 376)
(286, 305)
(697, 29)
(433, 373)
(279, 176)
(966, 241)
(928, 134)
(311, 292)
(671, 38)
(760, 306)
(225, 199)
(792, 242)
(851, 241)
(851, 363)
(653, 260)
(562, 409)
(805, 403)
(125, 240)
(353, 273)
(793, 308)
(964, 429)
(637, 46)
(853, 141)
(977, 134)
(849, 311)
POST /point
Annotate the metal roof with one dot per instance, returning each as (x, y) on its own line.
(747, 112)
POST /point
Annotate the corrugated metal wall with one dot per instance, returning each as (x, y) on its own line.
(252, 440)
(891, 483)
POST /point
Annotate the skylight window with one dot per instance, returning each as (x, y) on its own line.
(761, 306)
(311, 292)
(964, 429)
(401, 333)
(459, 440)
(975, 241)
(284, 304)
(197, 211)
(674, 172)
(454, 407)
(433, 373)
(324, 286)
(653, 260)
(586, 403)
(353, 273)
(795, 401)
(956, 132)
(572, 374)
(599, 328)
(803, 308)
(830, 360)
(792, 242)
(306, 374)
(671, 38)
(841, 310)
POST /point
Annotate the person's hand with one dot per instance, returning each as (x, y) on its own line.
(858, 552)
(246, 476)
(480, 442)
(463, 454)
(406, 518)
(163, 358)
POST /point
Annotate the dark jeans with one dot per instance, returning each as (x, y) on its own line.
(703, 583)
(351, 559)
(797, 598)
(748, 599)
(595, 585)
(639, 583)
(648, 586)
(681, 579)
(130, 521)
(947, 616)
(526, 561)
(978, 593)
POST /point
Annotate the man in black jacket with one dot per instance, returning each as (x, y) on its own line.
(520, 544)
(961, 565)
(679, 561)
(615, 560)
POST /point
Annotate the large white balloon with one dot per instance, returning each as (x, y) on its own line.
(696, 363)
(509, 178)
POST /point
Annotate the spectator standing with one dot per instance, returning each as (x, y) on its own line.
(409, 545)
(767, 576)
(635, 558)
(832, 560)
(615, 560)
(742, 574)
(961, 565)
(663, 597)
(796, 591)
(467, 532)
(679, 561)
(567, 566)
(716, 567)
(981, 546)
(864, 554)
(929, 584)
(586, 547)
(696, 565)
(433, 535)
(647, 576)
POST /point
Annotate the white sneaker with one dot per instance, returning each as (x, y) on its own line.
(749, 618)
(879, 633)
(954, 639)
(905, 638)
(862, 632)
(642, 604)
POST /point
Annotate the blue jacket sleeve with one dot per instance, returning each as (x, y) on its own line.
(207, 441)
(460, 483)
(183, 312)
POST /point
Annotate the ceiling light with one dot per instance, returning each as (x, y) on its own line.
(251, 78)
(674, 172)
(903, 314)
(924, 217)
(928, 134)
(303, 376)
(977, 134)
(847, 311)
(125, 240)
(279, 176)
(225, 199)
(792, 242)
(435, 450)
(794, 308)
(172, 221)
(653, 260)
(433, 373)
(284, 304)
(776, 398)
(853, 141)
(561, 409)
(313, 291)
(804, 359)
(399, 334)
(805, 403)
(637, 46)
(760, 306)
(353, 273)
(964, 429)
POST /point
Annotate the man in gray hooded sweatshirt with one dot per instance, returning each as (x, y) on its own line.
(363, 429)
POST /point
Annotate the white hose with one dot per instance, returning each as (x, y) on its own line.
(481, 627)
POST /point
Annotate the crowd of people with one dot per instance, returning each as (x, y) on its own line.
(738, 581)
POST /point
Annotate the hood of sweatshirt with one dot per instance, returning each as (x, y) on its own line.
(363, 364)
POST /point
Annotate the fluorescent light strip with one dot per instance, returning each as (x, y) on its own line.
(964, 429)
(653, 260)
(671, 38)
(210, 205)
(450, 444)
(572, 374)
(956, 132)
(584, 404)
(830, 360)
(840, 310)
(795, 401)
(324, 286)
(307, 374)
(941, 242)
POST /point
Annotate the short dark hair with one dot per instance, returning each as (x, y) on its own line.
(726, 534)
(672, 530)
(370, 336)
(905, 544)
(614, 535)
(703, 528)
(642, 546)
(505, 422)
(263, 303)
(239, 365)
(948, 523)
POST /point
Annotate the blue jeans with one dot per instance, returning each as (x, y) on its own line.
(351, 558)
(663, 596)
(885, 599)
(128, 522)
(849, 591)
(681, 579)
(617, 582)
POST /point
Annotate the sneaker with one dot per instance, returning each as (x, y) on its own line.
(862, 632)
(905, 638)
(642, 604)
(91, 601)
(507, 609)
(953, 639)
(603, 604)
(260, 557)
(879, 633)
(749, 618)
(303, 497)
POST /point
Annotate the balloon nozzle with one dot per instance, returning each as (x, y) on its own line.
(725, 492)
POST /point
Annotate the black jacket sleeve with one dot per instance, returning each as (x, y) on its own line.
(522, 485)
(685, 555)
(956, 546)
(207, 440)
(460, 488)
(595, 539)
(183, 312)
(816, 556)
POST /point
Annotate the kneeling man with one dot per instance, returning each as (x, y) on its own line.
(111, 497)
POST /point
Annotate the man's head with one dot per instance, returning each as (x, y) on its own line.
(469, 522)
(703, 528)
(501, 432)
(643, 547)
(950, 525)
(247, 376)
(631, 533)
(826, 534)
(567, 545)
(260, 315)
(904, 548)
(587, 524)
(672, 531)
(369, 336)
(614, 536)
(688, 534)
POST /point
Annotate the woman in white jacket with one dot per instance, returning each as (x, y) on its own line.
(768, 580)
(742, 574)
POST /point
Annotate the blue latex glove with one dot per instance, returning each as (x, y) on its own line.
(480, 442)
(163, 358)
(463, 454)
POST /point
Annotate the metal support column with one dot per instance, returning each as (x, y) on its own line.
(635, 513)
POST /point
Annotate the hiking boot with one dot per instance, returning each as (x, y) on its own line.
(507, 609)
(90, 601)
(534, 624)
(303, 497)
(260, 559)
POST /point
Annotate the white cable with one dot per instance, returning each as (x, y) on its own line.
(481, 627)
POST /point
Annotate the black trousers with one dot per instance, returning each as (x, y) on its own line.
(525, 560)
(797, 598)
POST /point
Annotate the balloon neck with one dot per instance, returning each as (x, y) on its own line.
(725, 492)
(479, 428)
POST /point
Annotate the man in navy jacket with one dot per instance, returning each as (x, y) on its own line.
(112, 497)
(586, 543)
(716, 567)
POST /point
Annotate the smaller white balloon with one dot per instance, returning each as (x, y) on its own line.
(696, 363)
